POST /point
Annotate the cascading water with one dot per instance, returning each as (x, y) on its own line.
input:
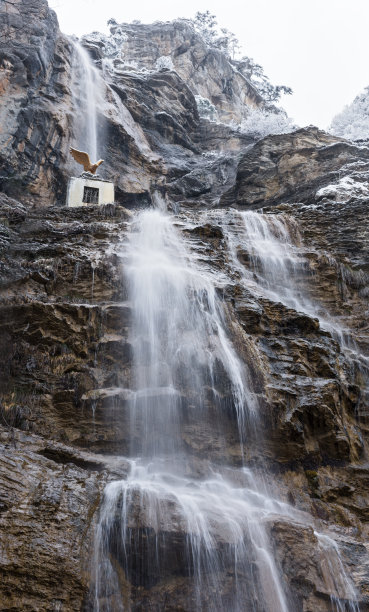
(95, 102)
(178, 338)
(183, 361)
(176, 516)
(335, 575)
(277, 266)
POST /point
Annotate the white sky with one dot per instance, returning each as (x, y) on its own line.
(320, 48)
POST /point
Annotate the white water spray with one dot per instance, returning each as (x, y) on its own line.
(179, 336)
(343, 597)
(275, 261)
(217, 526)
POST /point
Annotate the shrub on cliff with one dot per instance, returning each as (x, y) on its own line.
(262, 122)
(353, 122)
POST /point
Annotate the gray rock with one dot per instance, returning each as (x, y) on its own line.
(291, 168)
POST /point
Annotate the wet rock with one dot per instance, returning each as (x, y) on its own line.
(310, 580)
(67, 361)
(208, 230)
(194, 183)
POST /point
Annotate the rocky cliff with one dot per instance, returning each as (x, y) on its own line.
(66, 358)
(147, 110)
(208, 72)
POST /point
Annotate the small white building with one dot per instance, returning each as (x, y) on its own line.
(89, 191)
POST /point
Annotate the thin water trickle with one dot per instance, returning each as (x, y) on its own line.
(93, 266)
(343, 598)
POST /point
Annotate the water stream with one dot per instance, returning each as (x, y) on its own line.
(273, 243)
(182, 516)
(88, 91)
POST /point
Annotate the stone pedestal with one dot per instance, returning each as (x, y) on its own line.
(89, 191)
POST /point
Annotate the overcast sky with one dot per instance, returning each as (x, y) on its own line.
(320, 48)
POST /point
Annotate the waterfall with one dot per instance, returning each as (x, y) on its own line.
(179, 339)
(179, 518)
(95, 103)
(88, 92)
(183, 361)
(275, 263)
(214, 527)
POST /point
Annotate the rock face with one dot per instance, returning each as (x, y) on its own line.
(49, 495)
(37, 108)
(149, 114)
(177, 46)
(66, 359)
(293, 167)
(34, 68)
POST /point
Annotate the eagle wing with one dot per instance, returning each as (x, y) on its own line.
(82, 158)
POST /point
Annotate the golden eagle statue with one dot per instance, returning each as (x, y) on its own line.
(83, 158)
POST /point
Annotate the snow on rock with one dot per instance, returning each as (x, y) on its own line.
(164, 62)
(344, 188)
(176, 46)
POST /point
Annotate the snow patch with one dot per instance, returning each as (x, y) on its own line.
(346, 187)
(164, 63)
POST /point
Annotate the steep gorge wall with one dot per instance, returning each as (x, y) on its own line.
(39, 117)
(35, 65)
